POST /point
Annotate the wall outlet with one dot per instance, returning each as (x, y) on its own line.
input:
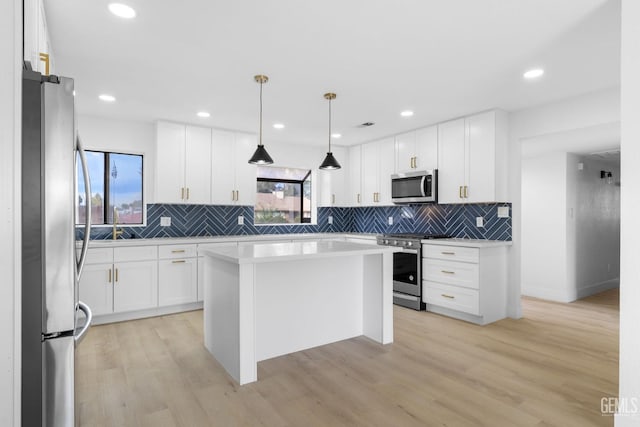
(330, 220)
(503, 212)
(580, 166)
(479, 221)
(390, 220)
(240, 220)
(165, 221)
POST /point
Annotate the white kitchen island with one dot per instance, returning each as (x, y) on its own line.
(263, 300)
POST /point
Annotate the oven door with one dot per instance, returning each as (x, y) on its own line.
(406, 272)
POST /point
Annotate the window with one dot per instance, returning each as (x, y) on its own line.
(283, 196)
(116, 182)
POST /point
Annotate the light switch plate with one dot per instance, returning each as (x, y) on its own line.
(479, 221)
(390, 220)
(240, 220)
(165, 221)
(330, 219)
(503, 212)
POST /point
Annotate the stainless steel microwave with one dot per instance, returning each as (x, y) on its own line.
(415, 187)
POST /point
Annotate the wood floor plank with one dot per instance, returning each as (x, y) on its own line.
(550, 368)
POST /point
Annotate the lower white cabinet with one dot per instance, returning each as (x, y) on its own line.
(468, 283)
(178, 281)
(135, 285)
(96, 288)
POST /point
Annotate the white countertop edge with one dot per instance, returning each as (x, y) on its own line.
(471, 243)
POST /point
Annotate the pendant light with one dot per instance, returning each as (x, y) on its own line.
(330, 162)
(261, 157)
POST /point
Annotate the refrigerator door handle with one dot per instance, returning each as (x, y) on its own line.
(87, 207)
(87, 324)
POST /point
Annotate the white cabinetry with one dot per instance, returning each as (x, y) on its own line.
(377, 159)
(233, 179)
(472, 159)
(96, 283)
(467, 283)
(333, 183)
(417, 150)
(178, 274)
(37, 45)
(183, 164)
(354, 197)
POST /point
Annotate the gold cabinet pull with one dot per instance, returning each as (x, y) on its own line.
(180, 261)
(448, 253)
(178, 251)
(333, 199)
(109, 275)
(116, 274)
(44, 57)
(237, 195)
(187, 193)
(358, 197)
(233, 195)
(448, 272)
(460, 192)
(448, 296)
(182, 193)
(466, 194)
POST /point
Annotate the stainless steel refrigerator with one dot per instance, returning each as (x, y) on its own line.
(53, 320)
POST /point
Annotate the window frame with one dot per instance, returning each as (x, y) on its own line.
(309, 220)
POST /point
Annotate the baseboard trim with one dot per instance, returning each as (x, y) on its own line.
(142, 314)
(596, 288)
(548, 294)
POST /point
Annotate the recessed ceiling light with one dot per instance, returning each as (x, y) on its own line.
(203, 114)
(122, 10)
(278, 126)
(406, 113)
(335, 135)
(107, 98)
(534, 73)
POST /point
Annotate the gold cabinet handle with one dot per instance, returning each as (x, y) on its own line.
(182, 193)
(466, 194)
(237, 195)
(44, 57)
(187, 193)
(460, 192)
(448, 253)
(448, 296)
(359, 198)
(233, 195)
(180, 261)
(178, 251)
(109, 275)
(448, 272)
(333, 199)
(116, 274)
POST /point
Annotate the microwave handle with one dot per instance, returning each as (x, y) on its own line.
(422, 185)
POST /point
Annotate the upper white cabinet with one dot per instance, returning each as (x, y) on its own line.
(378, 164)
(183, 164)
(233, 178)
(354, 196)
(417, 150)
(333, 189)
(472, 159)
(37, 45)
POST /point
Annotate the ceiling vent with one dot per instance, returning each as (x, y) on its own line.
(366, 124)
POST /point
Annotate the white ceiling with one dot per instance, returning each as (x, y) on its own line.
(440, 58)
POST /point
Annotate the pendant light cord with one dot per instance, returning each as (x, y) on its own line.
(260, 113)
(329, 124)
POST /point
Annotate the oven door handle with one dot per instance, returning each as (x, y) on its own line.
(411, 251)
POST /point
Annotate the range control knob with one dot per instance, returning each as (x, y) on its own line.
(395, 243)
(385, 242)
(409, 243)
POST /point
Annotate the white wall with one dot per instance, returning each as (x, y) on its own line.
(544, 226)
(630, 206)
(10, 87)
(584, 111)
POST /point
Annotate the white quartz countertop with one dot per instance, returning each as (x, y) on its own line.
(259, 252)
(469, 243)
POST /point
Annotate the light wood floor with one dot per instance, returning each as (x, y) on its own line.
(550, 368)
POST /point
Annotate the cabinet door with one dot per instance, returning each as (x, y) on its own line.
(451, 161)
(177, 281)
(198, 165)
(405, 151)
(481, 158)
(339, 188)
(222, 168)
(325, 188)
(427, 148)
(245, 172)
(135, 286)
(355, 179)
(95, 288)
(170, 150)
(370, 160)
(386, 168)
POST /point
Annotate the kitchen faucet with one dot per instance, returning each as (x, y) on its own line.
(116, 232)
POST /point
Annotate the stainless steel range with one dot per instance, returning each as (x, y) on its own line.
(407, 266)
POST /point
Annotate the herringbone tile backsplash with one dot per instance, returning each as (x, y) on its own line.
(200, 220)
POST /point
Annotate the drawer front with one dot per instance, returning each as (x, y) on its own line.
(453, 297)
(177, 251)
(135, 253)
(99, 256)
(451, 272)
(452, 253)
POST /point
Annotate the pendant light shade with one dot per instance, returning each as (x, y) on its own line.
(330, 162)
(260, 156)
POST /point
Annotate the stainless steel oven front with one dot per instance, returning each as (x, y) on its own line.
(407, 277)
